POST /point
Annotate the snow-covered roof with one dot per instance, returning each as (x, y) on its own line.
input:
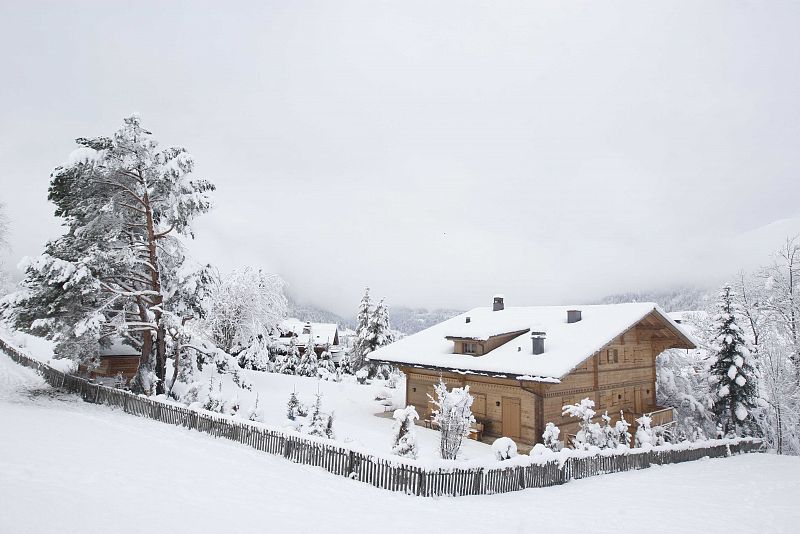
(567, 345)
(118, 349)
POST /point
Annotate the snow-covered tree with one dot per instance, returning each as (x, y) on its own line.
(5, 280)
(318, 426)
(622, 431)
(379, 335)
(288, 362)
(245, 305)
(731, 372)
(550, 437)
(325, 365)
(127, 205)
(308, 365)
(404, 432)
(256, 412)
(589, 433)
(682, 382)
(645, 437)
(361, 345)
(293, 407)
(453, 416)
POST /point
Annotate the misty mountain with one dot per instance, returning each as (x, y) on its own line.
(677, 299)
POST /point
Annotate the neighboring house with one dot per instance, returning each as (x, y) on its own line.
(325, 334)
(114, 360)
(524, 364)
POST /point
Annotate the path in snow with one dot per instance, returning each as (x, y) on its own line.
(70, 466)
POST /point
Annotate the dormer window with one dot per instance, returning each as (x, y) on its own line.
(470, 348)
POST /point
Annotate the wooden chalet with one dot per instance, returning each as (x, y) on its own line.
(523, 364)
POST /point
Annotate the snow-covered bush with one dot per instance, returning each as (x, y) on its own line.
(550, 437)
(404, 434)
(504, 448)
(644, 433)
(541, 450)
(256, 413)
(361, 376)
(453, 416)
(307, 364)
(622, 429)
(589, 434)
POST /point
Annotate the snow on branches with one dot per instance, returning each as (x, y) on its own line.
(453, 416)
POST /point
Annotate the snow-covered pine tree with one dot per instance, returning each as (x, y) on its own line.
(379, 333)
(319, 421)
(126, 205)
(287, 363)
(255, 412)
(550, 437)
(361, 345)
(293, 407)
(307, 364)
(453, 416)
(731, 373)
(404, 433)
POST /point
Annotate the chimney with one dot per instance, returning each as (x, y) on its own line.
(469, 319)
(537, 339)
(573, 316)
(498, 305)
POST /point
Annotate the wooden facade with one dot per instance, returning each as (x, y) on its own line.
(620, 377)
(113, 364)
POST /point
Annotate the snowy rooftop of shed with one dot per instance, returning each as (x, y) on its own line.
(567, 345)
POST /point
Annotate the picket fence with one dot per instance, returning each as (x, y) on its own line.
(382, 472)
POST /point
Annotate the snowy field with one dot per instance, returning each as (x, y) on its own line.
(69, 466)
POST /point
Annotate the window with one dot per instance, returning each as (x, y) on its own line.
(612, 356)
(470, 348)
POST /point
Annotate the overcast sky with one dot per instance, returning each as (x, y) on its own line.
(438, 152)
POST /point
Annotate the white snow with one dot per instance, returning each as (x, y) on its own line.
(566, 345)
(73, 466)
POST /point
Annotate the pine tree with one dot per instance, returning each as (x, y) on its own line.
(732, 376)
(126, 205)
(307, 364)
(319, 421)
(623, 431)
(288, 363)
(404, 434)
(379, 334)
(293, 407)
(361, 344)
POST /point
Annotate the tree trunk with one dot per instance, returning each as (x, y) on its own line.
(158, 300)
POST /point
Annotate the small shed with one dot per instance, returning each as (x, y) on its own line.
(115, 359)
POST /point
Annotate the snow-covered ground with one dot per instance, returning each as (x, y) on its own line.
(70, 466)
(359, 419)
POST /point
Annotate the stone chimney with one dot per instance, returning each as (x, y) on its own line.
(537, 340)
(469, 319)
(573, 316)
(498, 305)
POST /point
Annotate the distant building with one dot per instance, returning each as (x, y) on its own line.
(524, 364)
(324, 334)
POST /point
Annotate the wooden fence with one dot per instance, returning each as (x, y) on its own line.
(389, 473)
